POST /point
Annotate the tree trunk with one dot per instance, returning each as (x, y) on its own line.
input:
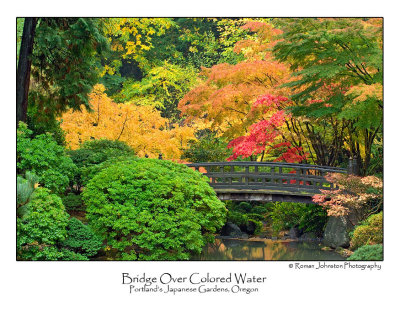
(24, 67)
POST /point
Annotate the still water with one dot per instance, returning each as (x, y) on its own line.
(265, 249)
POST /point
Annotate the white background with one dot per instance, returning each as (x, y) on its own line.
(97, 285)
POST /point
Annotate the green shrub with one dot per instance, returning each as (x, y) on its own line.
(41, 227)
(72, 201)
(284, 216)
(309, 217)
(41, 124)
(42, 156)
(92, 153)
(237, 218)
(53, 253)
(81, 239)
(368, 232)
(153, 209)
(247, 208)
(260, 209)
(207, 148)
(244, 207)
(248, 217)
(258, 225)
(256, 216)
(368, 252)
(68, 255)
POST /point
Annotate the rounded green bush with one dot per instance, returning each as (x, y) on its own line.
(369, 232)
(151, 209)
(81, 239)
(92, 153)
(368, 252)
(237, 218)
(42, 226)
(256, 216)
(42, 156)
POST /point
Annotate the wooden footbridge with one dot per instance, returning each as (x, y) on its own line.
(267, 181)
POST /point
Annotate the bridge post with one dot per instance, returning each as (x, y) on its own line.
(352, 169)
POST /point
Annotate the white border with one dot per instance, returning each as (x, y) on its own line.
(96, 285)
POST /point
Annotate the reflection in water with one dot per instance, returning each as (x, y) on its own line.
(235, 249)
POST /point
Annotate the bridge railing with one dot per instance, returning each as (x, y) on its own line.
(267, 175)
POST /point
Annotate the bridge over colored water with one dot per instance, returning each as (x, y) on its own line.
(267, 181)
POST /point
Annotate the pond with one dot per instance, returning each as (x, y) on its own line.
(265, 249)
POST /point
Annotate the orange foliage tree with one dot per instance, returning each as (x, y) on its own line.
(141, 127)
(226, 95)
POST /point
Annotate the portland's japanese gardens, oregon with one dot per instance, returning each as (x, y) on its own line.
(199, 139)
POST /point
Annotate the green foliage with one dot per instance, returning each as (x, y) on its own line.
(237, 218)
(39, 125)
(158, 68)
(153, 209)
(198, 42)
(20, 29)
(162, 87)
(330, 49)
(248, 217)
(244, 206)
(368, 232)
(207, 148)
(309, 217)
(41, 227)
(42, 156)
(65, 59)
(81, 239)
(72, 201)
(257, 223)
(95, 152)
(368, 252)
(256, 216)
(260, 209)
(67, 255)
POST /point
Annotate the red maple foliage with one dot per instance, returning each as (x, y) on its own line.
(265, 136)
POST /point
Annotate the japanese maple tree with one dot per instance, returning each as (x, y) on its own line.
(266, 137)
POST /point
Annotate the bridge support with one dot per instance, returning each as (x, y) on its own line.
(263, 197)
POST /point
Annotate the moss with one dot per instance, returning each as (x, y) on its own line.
(369, 232)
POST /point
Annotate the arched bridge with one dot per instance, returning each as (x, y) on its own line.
(266, 181)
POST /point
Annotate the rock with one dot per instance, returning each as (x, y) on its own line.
(244, 236)
(343, 252)
(337, 232)
(250, 227)
(232, 230)
(308, 236)
(295, 232)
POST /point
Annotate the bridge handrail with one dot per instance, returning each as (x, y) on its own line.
(271, 164)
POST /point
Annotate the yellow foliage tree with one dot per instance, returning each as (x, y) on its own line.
(141, 127)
